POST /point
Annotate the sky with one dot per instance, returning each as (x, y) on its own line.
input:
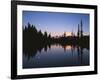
(56, 23)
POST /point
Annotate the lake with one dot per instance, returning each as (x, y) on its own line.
(56, 56)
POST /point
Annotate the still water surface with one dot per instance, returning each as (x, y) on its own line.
(57, 56)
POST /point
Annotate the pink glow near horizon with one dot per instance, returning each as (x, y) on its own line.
(58, 34)
(54, 34)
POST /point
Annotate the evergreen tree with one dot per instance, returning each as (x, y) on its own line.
(78, 32)
(81, 29)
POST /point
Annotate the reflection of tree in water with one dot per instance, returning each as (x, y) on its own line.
(80, 53)
(72, 49)
(34, 41)
(45, 48)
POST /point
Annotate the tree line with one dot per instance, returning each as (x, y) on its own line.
(34, 40)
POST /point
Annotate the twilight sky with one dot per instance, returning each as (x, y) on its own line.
(56, 23)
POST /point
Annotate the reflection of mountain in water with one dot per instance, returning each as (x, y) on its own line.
(32, 51)
(56, 55)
